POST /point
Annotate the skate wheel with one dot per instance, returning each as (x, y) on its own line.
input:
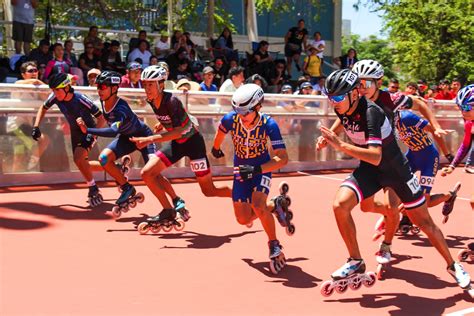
(116, 212)
(276, 264)
(415, 230)
(380, 271)
(355, 284)
(283, 188)
(167, 228)
(405, 229)
(155, 229)
(289, 215)
(288, 201)
(341, 287)
(463, 255)
(132, 203)
(290, 230)
(179, 226)
(125, 207)
(126, 160)
(143, 228)
(445, 219)
(327, 289)
(139, 197)
(370, 279)
(125, 171)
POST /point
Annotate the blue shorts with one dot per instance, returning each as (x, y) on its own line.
(427, 162)
(242, 190)
(122, 145)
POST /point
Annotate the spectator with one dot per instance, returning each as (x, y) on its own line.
(173, 60)
(183, 85)
(258, 80)
(23, 23)
(135, 42)
(181, 72)
(141, 53)
(236, 79)
(299, 82)
(93, 38)
(225, 45)
(111, 59)
(444, 93)
(287, 105)
(88, 60)
(348, 60)
(277, 76)
(422, 87)
(455, 87)
(261, 61)
(318, 87)
(154, 60)
(91, 76)
(68, 54)
(411, 89)
(308, 128)
(132, 78)
(207, 84)
(29, 73)
(431, 92)
(189, 42)
(393, 86)
(175, 39)
(162, 47)
(220, 71)
(58, 64)
(313, 65)
(318, 43)
(287, 89)
(41, 55)
(295, 37)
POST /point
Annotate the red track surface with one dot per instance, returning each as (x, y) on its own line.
(58, 258)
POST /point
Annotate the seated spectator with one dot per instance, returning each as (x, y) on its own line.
(29, 74)
(154, 60)
(318, 43)
(135, 42)
(422, 87)
(318, 87)
(455, 87)
(58, 64)
(444, 92)
(220, 71)
(261, 61)
(393, 86)
(142, 53)
(177, 34)
(224, 46)
(132, 78)
(286, 89)
(431, 92)
(92, 75)
(93, 38)
(348, 60)
(277, 76)
(173, 60)
(313, 65)
(68, 54)
(189, 42)
(207, 84)
(41, 55)
(181, 72)
(258, 80)
(183, 84)
(287, 105)
(233, 63)
(111, 59)
(88, 60)
(162, 47)
(182, 43)
(236, 79)
(411, 89)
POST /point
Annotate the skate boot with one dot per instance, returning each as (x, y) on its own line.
(462, 278)
(467, 253)
(449, 204)
(277, 258)
(166, 221)
(180, 207)
(379, 228)
(352, 274)
(124, 166)
(94, 197)
(406, 226)
(281, 211)
(383, 257)
(128, 199)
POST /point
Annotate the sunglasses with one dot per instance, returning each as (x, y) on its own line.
(102, 86)
(337, 98)
(465, 107)
(32, 71)
(366, 84)
(394, 87)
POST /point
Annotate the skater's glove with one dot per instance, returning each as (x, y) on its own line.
(217, 153)
(246, 172)
(449, 157)
(36, 133)
(89, 141)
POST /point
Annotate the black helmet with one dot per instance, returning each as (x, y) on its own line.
(59, 81)
(109, 78)
(340, 82)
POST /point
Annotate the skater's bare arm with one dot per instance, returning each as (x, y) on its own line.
(438, 138)
(40, 115)
(336, 128)
(421, 106)
(278, 161)
(219, 139)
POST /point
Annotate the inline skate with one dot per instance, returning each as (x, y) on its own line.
(94, 197)
(166, 221)
(462, 278)
(124, 166)
(383, 257)
(407, 226)
(277, 258)
(128, 199)
(467, 253)
(449, 204)
(281, 211)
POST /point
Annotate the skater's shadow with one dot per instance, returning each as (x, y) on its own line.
(55, 211)
(102, 208)
(202, 241)
(134, 220)
(397, 258)
(456, 242)
(21, 224)
(404, 304)
(416, 278)
(290, 275)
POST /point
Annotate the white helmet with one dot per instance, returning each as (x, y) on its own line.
(368, 69)
(154, 73)
(246, 97)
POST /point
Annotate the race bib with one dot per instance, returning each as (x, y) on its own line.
(199, 165)
(414, 185)
(266, 182)
(427, 181)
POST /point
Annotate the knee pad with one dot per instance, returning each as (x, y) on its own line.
(103, 159)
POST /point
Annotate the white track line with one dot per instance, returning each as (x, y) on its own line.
(462, 312)
(340, 180)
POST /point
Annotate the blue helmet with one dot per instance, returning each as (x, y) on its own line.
(465, 98)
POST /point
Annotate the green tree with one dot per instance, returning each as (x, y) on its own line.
(431, 39)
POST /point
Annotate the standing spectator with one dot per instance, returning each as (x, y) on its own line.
(313, 65)
(411, 89)
(220, 71)
(132, 78)
(68, 54)
(58, 65)
(348, 60)
(162, 47)
(93, 38)
(318, 43)
(236, 79)
(91, 76)
(224, 45)
(295, 37)
(455, 87)
(207, 84)
(111, 59)
(41, 55)
(141, 53)
(444, 93)
(88, 60)
(393, 86)
(23, 23)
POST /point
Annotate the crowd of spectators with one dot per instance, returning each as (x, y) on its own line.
(444, 90)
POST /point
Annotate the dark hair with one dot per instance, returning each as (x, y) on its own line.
(25, 65)
(254, 78)
(115, 43)
(353, 49)
(141, 41)
(141, 32)
(394, 80)
(93, 27)
(56, 45)
(263, 43)
(228, 41)
(235, 71)
(317, 32)
(456, 80)
(153, 56)
(43, 42)
(183, 61)
(412, 85)
(300, 20)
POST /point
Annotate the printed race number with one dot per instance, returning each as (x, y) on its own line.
(266, 182)
(199, 165)
(414, 185)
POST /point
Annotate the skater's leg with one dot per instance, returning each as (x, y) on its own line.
(343, 204)
(208, 187)
(243, 212)
(392, 218)
(107, 160)
(80, 156)
(150, 173)
(259, 205)
(436, 199)
(166, 185)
